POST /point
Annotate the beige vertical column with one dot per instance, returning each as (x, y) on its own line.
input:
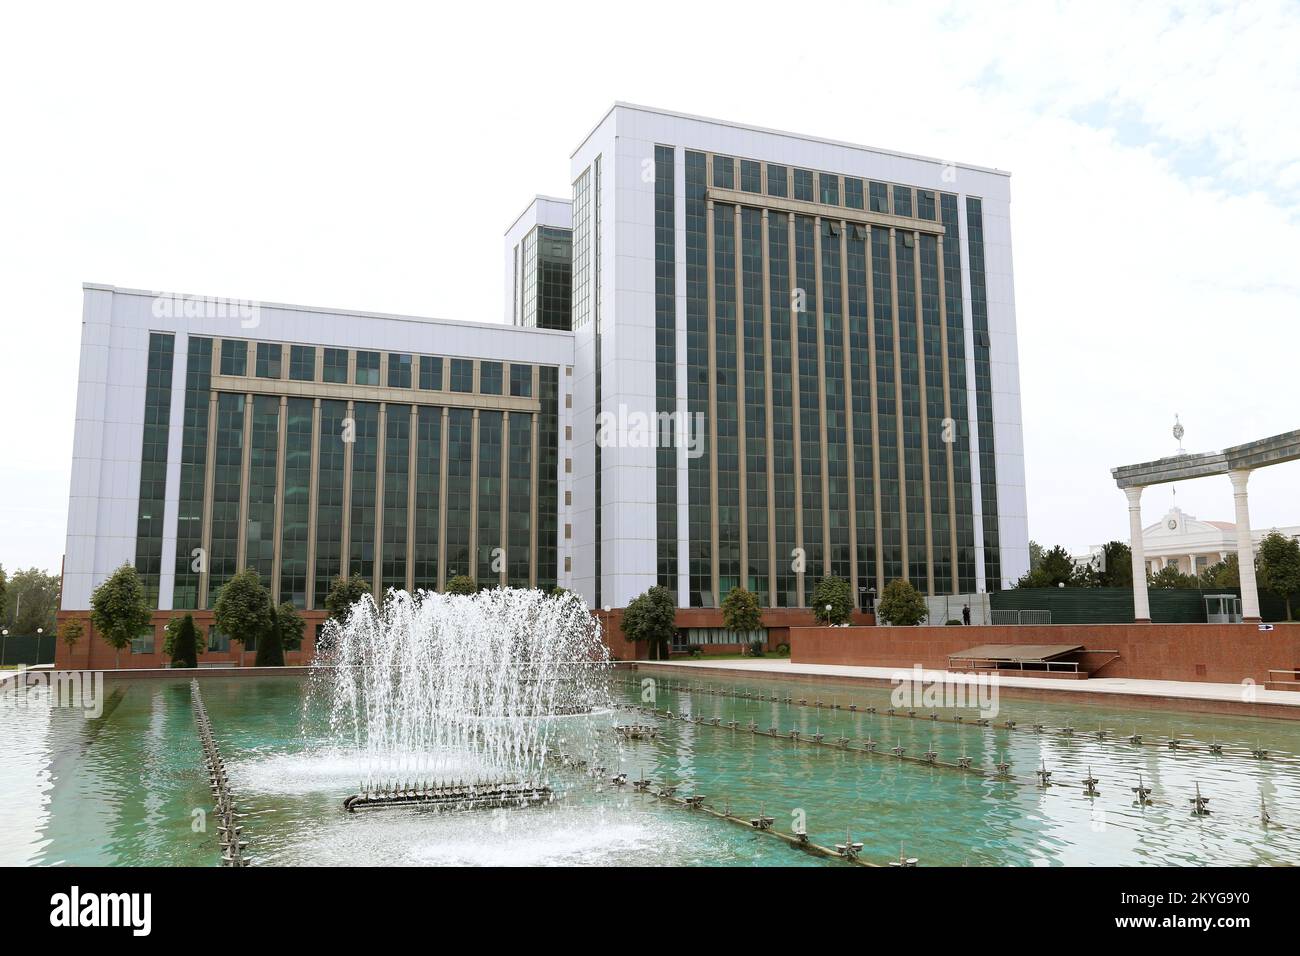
(797, 401)
(381, 448)
(534, 508)
(713, 403)
(1245, 546)
(1141, 606)
(767, 400)
(209, 473)
(846, 350)
(442, 501)
(898, 405)
(821, 396)
(741, 471)
(245, 470)
(281, 437)
(473, 498)
(925, 412)
(504, 520)
(875, 418)
(412, 438)
(345, 535)
(950, 426)
(313, 501)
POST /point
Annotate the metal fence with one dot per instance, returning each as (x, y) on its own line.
(1020, 617)
(26, 649)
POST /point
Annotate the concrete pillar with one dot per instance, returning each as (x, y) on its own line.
(1245, 547)
(1141, 607)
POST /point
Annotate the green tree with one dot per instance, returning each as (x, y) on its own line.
(1278, 566)
(741, 612)
(182, 642)
(172, 634)
(652, 617)
(270, 643)
(71, 632)
(1118, 570)
(243, 609)
(119, 611)
(292, 626)
(343, 594)
(1221, 576)
(462, 584)
(1170, 577)
(836, 593)
(1055, 568)
(4, 586)
(32, 597)
(902, 605)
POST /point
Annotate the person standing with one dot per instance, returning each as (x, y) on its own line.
(965, 614)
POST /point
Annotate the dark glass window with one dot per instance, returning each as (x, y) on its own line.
(724, 172)
(925, 204)
(751, 176)
(302, 363)
(776, 181)
(852, 192)
(489, 378)
(902, 201)
(336, 366)
(430, 372)
(268, 360)
(879, 197)
(234, 357)
(462, 375)
(399, 370)
(803, 185)
(521, 381)
(367, 368)
(153, 463)
(829, 187)
(194, 457)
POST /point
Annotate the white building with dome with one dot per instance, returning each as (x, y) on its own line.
(1185, 541)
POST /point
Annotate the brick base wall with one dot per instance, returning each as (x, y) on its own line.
(91, 653)
(1215, 653)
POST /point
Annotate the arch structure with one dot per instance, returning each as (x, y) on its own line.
(1237, 463)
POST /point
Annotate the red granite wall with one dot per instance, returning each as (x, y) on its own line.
(1217, 653)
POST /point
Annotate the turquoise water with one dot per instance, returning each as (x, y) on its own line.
(128, 787)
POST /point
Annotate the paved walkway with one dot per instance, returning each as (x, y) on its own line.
(1182, 690)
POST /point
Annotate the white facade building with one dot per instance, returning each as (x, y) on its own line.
(1185, 542)
(615, 248)
(780, 358)
(117, 324)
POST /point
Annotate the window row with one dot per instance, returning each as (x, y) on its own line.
(363, 367)
(828, 189)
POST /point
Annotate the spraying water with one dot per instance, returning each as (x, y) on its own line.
(475, 689)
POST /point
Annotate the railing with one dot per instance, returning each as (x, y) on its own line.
(1289, 682)
(1020, 617)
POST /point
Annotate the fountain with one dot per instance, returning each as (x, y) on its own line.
(468, 695)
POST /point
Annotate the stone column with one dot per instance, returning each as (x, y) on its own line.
(1141, 607)
(1245, 547)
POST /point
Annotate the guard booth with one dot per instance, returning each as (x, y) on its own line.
(1222, 609)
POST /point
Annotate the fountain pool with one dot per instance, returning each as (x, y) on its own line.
(127, 788)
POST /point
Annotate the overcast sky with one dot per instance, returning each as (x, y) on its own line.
(371, 157)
